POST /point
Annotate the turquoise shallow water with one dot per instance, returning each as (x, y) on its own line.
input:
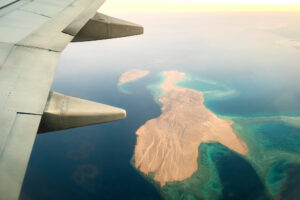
(277, 136)
(273, 143)
(245, 67)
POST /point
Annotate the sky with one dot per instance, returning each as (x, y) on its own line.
(200, 5)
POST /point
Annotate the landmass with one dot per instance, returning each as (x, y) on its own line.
(167, 146)
(132, 75)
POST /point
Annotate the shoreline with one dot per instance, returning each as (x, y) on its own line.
(131, 76)
(177, 130)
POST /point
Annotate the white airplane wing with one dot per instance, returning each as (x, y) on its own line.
(33, 33)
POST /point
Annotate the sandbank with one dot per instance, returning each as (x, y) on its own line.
(132, 75)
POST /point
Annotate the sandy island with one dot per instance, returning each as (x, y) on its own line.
(168, 145)
(132, 75)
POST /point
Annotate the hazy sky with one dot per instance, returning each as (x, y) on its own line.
(200, 5)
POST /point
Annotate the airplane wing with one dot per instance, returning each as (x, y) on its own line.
(33, 33)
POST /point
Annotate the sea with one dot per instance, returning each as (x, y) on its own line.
(246, 64)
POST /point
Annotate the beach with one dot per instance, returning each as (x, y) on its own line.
(167, 146)
(132, 75)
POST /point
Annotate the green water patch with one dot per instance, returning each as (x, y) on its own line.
(155, 87)
(278, 136)
(204, 183)
(291, 188)
(221, 174)
(268, 134)
(273, 142)
(276, 176)
(211, 90)
(126, 87)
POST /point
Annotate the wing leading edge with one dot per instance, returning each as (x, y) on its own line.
(32, 36)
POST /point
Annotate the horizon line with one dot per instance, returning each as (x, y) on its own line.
(197, 7)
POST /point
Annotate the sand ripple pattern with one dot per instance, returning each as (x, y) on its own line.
(168, 145)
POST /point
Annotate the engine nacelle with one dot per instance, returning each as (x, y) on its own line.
(65, 112)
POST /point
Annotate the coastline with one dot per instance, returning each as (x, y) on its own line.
(148, 155)
(130, 77)
(241, 125)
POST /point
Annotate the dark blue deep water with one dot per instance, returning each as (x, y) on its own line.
(239, 179)
(93, 162)
(245, 67)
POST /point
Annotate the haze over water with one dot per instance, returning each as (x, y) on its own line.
(247, 66)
